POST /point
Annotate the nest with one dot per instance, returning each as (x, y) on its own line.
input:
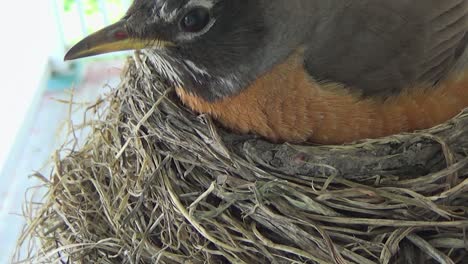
(156, 183)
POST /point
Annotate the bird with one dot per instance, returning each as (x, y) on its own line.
(303, 71)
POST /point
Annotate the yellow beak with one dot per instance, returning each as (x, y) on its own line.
(110, 39)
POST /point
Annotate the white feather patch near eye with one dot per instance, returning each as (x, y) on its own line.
(168, 15)
(195, 69)
(208, 4)
(171, 15)
(186, 36)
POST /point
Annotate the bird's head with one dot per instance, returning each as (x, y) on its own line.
(211, 48)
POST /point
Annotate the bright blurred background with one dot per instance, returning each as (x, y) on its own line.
(35, 37)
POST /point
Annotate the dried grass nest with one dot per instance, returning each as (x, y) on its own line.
(155, 183)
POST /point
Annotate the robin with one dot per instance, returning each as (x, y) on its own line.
(322, 71)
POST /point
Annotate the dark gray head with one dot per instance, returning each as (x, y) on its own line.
(212, 48)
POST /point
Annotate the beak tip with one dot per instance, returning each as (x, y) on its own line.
(75, 53)
(70, 55)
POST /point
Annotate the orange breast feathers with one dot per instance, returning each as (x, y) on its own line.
(287, 105)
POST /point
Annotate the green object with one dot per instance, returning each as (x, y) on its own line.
(91, 6)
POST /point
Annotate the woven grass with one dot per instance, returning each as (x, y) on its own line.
(155, 183)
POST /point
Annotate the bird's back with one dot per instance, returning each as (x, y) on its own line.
(381, 47)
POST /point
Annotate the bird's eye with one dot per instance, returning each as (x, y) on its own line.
(195, 20)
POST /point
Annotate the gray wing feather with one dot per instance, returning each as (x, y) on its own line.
(379, 47)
